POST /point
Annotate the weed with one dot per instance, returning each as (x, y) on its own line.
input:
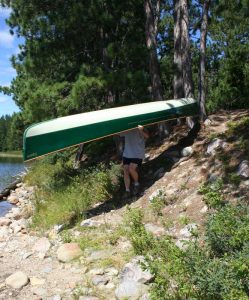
(212, 194)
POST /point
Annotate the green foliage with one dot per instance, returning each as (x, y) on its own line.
(228, 229)
(216, 269)
(64, 195)
(212, 194)
(158, 203)
(141, 240)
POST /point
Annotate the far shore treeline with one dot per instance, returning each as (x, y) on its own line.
(80, 56)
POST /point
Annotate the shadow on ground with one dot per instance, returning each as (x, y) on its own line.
(148, 169)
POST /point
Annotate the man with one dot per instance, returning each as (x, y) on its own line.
(133, 155)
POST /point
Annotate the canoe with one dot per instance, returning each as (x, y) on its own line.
(57, 134)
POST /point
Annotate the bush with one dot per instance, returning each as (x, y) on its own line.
(228, 229)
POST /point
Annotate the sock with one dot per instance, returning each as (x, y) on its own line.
(127, 190)
(136, 183)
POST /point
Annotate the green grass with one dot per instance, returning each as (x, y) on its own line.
(64, 194)
(11, 154)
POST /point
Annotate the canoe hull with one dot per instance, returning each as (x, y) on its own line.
(47, 142)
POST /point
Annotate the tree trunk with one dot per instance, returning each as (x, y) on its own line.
(186, 55)
(151, 32)
(178, 78)
(202, 73)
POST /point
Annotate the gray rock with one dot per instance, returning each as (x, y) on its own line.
(129, 290)
(214, 145)
(98, 255)
(156, 193)
(154, 229)
(132, 271)
(186, 232)
(243, 169)
(159, 173)
(91, 223)
(17, 280)
(99, 279)
(187, 151)
(68, 252)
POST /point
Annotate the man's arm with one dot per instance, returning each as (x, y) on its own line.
(143, 131)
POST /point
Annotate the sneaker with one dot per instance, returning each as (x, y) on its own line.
(127, 195)
(136, 190)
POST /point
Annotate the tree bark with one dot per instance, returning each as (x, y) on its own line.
(186, 55)
(178, 78)
(202, 73)
(151, 32)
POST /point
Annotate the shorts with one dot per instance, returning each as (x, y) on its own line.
(127, 161)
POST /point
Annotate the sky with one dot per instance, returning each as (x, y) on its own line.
(8, 47)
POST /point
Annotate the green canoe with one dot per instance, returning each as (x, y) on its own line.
(57, 134)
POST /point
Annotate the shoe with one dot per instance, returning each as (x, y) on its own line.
(136, 190)
(127, 195)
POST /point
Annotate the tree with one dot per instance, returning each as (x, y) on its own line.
(152, 12)
(202, 72)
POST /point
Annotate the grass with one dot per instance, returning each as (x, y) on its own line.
(64, 195)
(11, 154)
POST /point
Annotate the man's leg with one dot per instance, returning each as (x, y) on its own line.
(127, 180)
(133, 172)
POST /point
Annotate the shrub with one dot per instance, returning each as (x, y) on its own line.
(228, 229)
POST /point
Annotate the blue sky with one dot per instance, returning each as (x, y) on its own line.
(8, 47)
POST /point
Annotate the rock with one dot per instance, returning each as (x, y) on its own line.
(159, 173)
(17, 280)
(99, 279)
(5, 221)
(215, 145)
(13, 199)
(91, 223)
(39, 291)
(56, 297)
(154, 229)
(187, 151)
(42, 245)
(111, 271)
(37, 281)
(4, 232)
(129, 290)
(133, 271)
(243, 169)
(204, 209)
(156, 193)
(97, 271)
(181, 244)
(98, 255)
(207, 122)
(68, 252)
(186, 232)
(88, 298)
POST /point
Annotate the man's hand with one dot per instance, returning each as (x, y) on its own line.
(143, 131)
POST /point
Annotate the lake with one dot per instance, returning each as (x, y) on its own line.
(9, 167)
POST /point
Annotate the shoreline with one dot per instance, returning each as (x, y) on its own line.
(11, 154)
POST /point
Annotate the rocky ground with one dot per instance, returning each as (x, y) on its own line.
(54, 266)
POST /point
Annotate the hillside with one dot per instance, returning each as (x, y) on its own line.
(189, 228)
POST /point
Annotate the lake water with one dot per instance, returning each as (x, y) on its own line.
(9, 167)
